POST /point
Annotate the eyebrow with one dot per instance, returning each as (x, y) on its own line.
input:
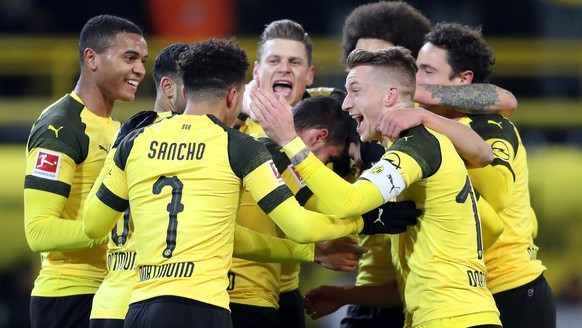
(425, 66)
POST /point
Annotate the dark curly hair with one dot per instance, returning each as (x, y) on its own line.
(395, 22)
(211, 67)
(466, 49)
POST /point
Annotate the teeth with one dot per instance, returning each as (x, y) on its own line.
(133, 82)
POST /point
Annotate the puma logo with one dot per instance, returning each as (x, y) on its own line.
(379, 219)
(496, 123)
(104, 149)
(56, 131)
(407, 137)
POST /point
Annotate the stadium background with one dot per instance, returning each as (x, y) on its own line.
(538, 45)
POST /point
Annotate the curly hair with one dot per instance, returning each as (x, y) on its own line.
(466, 50)
(395, 22)
(211, 67)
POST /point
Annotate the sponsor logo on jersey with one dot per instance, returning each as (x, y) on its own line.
(495, 123)
(500, 150)
(47, 164)
(296, 175)
(55, 130)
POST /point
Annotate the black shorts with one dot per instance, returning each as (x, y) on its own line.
(291, 312)
(60, 312)
(250, 316)
(359, 316)
(176, 312)
(106, 323)
(531, 305)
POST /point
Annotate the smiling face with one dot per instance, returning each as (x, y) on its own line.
(120, 68)
(433, 67)
(284, 69)
(364, 100)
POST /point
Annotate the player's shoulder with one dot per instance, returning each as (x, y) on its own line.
(60, 128)
(495, 126)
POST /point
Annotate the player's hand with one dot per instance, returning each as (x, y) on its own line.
(323, 300)
(341, 254)
(392, 218)
(274, 115)
(395, 121)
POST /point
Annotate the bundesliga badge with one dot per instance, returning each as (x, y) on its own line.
(47, 164)
(275, 172)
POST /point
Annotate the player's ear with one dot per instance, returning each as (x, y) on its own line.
(231, 97)
(467, 77)
(90, 58)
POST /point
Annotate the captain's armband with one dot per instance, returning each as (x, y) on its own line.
(386, 178)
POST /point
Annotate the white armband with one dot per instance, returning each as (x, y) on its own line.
(388, 180)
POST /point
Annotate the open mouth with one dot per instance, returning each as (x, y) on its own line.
(283, 88)
(359, 118)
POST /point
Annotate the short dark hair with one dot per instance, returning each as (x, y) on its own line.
(323, 112)
(166, 63)
(100, 32)
(211, 67)
(288, 30)
(466, 49)
(395, 22)
(396, 61)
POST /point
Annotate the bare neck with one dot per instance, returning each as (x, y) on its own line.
(93, 98)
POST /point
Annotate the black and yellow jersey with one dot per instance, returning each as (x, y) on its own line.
(440, 259)
(65, 152)
(188, 172)
(111, 300)
(511, 261)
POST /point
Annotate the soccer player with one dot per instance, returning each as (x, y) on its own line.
(254, 287)
(112, 298)
(458, 55)
(182, 178)
(65, 152)
(284, 67)
(439, 261)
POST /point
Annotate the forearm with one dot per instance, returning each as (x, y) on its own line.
(341, 197)
(305, 226)
(254, 246)
(98, 218)
(470, 146)
(46, 230)
(384, 295)
(477, 98)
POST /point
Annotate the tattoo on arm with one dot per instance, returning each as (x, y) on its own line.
(300, 156)
(468, 99)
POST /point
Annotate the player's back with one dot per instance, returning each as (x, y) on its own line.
(183, 196)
